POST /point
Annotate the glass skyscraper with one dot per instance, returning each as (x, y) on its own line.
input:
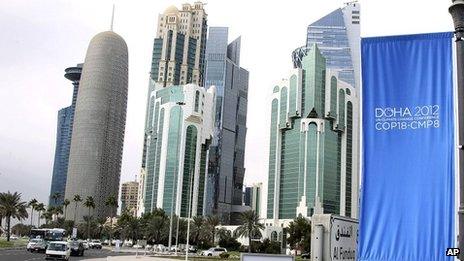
(227, 152)
(313, 159)
(63, 139)
(182, 123)
(313, 135)
(177, 59)
(337, 36)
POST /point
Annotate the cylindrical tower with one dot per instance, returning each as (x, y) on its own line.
(99, 124)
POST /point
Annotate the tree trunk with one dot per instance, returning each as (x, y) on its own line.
(88, 225)
(249, 239)
(32, 214)
(75, 214)
(214, 235)
(249, 244)
(8, 228)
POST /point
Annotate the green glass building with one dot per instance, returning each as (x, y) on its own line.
(182, 127)
(312, 162)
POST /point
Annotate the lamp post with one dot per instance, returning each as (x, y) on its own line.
(457, 12)
(180, 103)
(189, 213)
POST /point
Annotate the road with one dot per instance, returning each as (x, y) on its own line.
(23, 255)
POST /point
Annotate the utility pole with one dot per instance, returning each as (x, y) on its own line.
(189, 213)
(457, 12)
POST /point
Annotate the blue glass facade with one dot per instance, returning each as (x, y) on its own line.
(227, 152)
(63, 140)
(335, 35)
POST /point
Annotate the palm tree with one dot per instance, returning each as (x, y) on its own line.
(47, 215)
(77, 198)
(11, 206)
(212, 222)
(112, 203)
(56, 196)
(32, 204)
(197, 227)
(58, 210)
(90, 204)
(250, 226)
(157, 227)
(66, 202)
(39, 208)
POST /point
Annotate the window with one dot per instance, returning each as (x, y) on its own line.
(197, 100)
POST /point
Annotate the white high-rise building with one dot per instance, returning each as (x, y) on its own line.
(182, 122)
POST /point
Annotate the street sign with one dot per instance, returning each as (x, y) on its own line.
(74, 232)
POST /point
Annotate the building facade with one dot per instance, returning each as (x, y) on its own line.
(313, 142)
(141, 193)
(129, 196)
(226, 158)
(337, 36)
(252, 197)
(182, 128)
(63, 140)
(177, 59)
(99, 125)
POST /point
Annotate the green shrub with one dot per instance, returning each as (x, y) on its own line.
(4, 244)
(224, 255)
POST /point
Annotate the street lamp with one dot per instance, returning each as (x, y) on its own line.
(189, 212)
(180, 103)
(457, 12)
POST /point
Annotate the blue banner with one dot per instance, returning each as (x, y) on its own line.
(407, 191)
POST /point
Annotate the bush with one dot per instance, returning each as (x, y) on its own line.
(4, 244)
(230, 244)
(224, 255)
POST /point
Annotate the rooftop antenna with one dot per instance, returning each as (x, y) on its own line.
(112, 19)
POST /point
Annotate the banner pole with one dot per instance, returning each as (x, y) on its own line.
(457, 12)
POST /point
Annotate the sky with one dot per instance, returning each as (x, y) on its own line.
(39, 39)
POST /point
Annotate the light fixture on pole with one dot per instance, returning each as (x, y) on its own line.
(457, 12)
(180, 103)
(189, 212)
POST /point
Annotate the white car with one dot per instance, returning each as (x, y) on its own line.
(36, 244)
(58, 250)
(86, 245)
(95, 244)
(214, 251)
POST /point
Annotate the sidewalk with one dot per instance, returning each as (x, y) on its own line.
(133, 258)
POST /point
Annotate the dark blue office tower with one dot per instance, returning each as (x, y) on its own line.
(63, 140)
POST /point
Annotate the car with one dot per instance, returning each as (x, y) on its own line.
(193, 249)
(86, 245)
(31, 244)
(60, 250)
(36, 245)
(137, 246)
(214, 251)
(13, 237)
(77, 248)
(306, 255)
(95, 244)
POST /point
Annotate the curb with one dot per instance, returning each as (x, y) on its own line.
(12, 248)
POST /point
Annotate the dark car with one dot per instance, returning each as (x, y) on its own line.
(306, 255)
(77, 248)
